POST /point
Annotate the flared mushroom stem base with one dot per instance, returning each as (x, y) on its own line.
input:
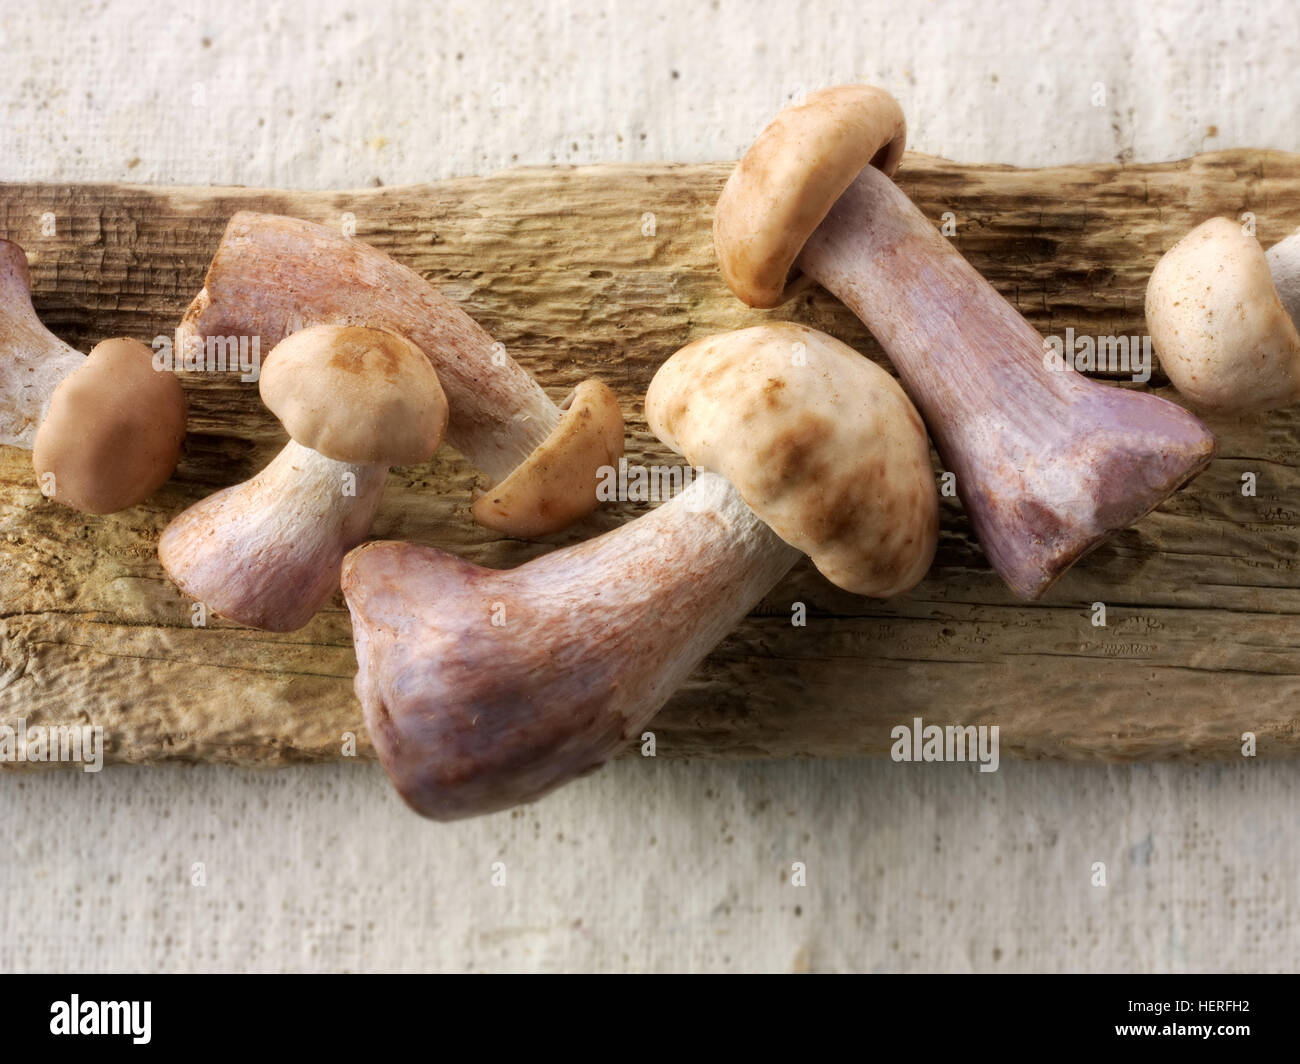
(266, 553)
(1048, 463)
(485, 688)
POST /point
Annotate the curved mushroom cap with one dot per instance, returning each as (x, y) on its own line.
(556, 484)
(356, 395)
(820, 442)
(1218, 325)
(791, 177)
(113, 432)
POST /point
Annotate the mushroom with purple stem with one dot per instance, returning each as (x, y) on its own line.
(272, 275)
(483, 688)
(105, 429)
(1047, 463)
(266, 552)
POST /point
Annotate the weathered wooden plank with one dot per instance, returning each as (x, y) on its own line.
(565, 267)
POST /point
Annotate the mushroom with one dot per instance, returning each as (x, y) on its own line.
(1048, 464)
(105, 430)
(483, 688)
(274, 274)
(354, 401)
(1284, 266)
(1217, 314)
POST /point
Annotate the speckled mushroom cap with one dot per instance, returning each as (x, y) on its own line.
(791, 177)
(1221, 332)
(819, 441)
(113, 432)
(357, 395)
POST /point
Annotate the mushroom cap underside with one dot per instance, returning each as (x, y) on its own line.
(790, 178)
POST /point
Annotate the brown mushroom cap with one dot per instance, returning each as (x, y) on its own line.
(357, 395)
(791, 177)
(820, 442)
(1218, 325)
(556, 484)
(114, 429)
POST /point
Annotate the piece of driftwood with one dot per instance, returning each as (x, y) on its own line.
(605, 271)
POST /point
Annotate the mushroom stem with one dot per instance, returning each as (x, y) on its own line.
(1284, 266)
(266, 552)
(33, 361)
(274, 275)
(485, 688)
(1047, 463)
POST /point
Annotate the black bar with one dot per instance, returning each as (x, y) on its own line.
(337, 1013)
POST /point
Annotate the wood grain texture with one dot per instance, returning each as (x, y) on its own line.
(1203, 596)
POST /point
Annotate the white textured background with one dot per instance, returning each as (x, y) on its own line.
(648, 865)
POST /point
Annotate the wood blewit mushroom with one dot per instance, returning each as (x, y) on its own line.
(266, 552)
(273, 274)
(1222, 316)
(1048, 464)
(105, 429)
(482, 689)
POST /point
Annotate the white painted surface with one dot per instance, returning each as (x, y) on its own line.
(649, 864)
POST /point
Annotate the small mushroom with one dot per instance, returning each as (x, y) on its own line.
(273, 275)
(485, 688)
(1048, 464)
(105, 430)
(354, 401)
(1218, 321)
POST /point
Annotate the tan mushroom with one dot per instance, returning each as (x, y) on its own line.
(105, 430)
(483, 688)
(354, 401)
(1222, 332)
(1048, 464)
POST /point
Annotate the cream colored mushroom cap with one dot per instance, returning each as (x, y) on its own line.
(820, 442)
(791, 177)
(1221, 332)
(357, 395)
